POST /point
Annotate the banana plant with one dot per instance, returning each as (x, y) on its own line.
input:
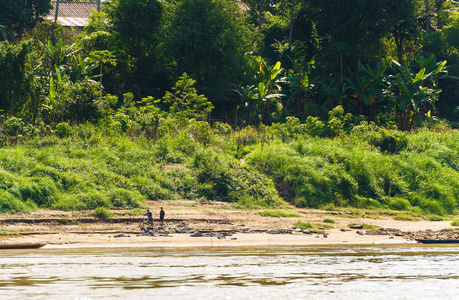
(264, 86)
(81, 68)
(368, 88)
(416, 88)
(300, 83)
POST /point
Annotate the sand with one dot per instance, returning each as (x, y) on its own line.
(183, 218)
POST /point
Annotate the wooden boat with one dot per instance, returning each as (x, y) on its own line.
(22, 246)
(426, 241)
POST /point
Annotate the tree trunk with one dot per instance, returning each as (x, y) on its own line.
(290, 33)
(341, 69)
(260, 22)
(427, 16)
(57, 11)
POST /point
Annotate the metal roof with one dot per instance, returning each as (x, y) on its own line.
(72, 14)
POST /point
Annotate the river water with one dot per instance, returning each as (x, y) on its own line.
(276, 272)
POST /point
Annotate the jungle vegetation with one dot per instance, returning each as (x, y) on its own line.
(332, 104)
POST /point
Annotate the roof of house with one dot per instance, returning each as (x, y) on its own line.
(72, 14)
(75, 14)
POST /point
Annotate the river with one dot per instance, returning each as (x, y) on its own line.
(277, 272)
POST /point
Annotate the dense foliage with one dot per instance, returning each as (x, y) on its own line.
(119, 112)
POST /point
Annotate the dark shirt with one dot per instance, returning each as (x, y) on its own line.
(149, 215)
(161, 214)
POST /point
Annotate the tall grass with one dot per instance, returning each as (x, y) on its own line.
(92, 167)
(346, 171)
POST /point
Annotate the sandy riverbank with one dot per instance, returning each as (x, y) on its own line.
(219, 225)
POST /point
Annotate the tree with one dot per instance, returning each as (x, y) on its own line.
(15, 76)
(208, 39)
(353, 29)
(136, 28)
(19, 16)
(417, 89)
(185, 102)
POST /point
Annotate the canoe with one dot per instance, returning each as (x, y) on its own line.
(425, 241)
(22, 246)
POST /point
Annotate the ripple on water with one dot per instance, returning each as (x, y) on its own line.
(332, 272)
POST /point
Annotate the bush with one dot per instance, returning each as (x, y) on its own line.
(92, 199)
(125, 198)
(9, 203)
(42, 191)
(230, 180)
(63, 129)
(398, 203)
(432, 206)
(389, 141)
(327, 220)
(103, 213)
(81, 102)
(303, 225)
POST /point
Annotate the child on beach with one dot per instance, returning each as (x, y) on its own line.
(161, 216)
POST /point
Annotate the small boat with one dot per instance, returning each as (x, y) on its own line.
(22, 246)
(426, 241)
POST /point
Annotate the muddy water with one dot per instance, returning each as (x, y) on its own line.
(333, 272)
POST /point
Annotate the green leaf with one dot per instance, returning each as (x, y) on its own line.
(275, 70)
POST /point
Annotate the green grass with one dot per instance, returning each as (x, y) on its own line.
(9, 233)
(117, 167)
(135, 212)
(434, 218)
(334, 173)
(455, 223)
(303, 225)
(326, 226)
(365, 226)
(327, 220)
(103, 213)
(404, 217)
(279, 214)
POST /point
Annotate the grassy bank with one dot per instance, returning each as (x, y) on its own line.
(366, 168)
(422, 175)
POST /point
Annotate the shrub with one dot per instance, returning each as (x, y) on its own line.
(303, 225)
(9, 203)
(398, 203)
(432, 206)
(92, 199)
(434, 218)
(230, 180)
(81, 102)
(63, 129)
(103, 213)
(222, 128)
(389, 141)
(455, 223)
(120, 197)
(329, 221)
(41, 191)
(404, 217)
(363, 202)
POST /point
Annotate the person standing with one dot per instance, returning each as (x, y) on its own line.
(161, 216)
(150, 217)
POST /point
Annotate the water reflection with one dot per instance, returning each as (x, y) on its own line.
(333, 272)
